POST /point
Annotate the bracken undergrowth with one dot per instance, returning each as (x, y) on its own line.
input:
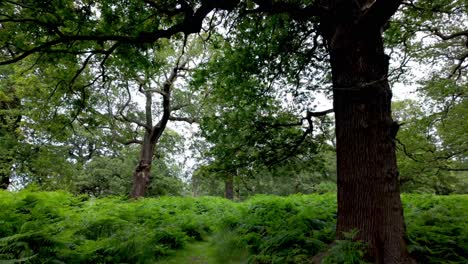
(57, 227)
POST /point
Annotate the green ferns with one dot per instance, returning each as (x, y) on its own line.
(56, 227)
(283, 229)
(437, 228)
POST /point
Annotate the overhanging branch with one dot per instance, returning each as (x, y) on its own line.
(192, 23)
(183, 119)
(321, 113)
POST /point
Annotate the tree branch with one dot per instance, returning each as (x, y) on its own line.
(377, 13)
(436, 32)
(296, 11)
(178, 107)
(133, 141)
(452, 169)
(157, 130)
(127, 119)
(192, 23)
(183, 119)
(321, 113)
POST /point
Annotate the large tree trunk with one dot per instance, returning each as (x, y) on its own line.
(368, 190)
(141, 178)
(142, 173)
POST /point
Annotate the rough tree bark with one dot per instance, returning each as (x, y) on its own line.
(142, 173)
(368, 188)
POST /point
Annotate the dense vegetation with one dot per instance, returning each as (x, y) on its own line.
(57, 227)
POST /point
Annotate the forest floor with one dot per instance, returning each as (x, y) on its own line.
(199, 252)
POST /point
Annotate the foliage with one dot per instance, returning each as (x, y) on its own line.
(429, 47)
(314, 174)
(74, 44)
(346, 251)
(284, 229)
(292, 229)
(431, 148)
(38, 227)
(254, 112)
(436, 227)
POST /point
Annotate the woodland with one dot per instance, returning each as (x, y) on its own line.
(233, 131)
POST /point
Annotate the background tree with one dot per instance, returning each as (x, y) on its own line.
(432, 149)
(112, 175)
(253, 130)
(157, 76)
(429, 36)
(48, 144)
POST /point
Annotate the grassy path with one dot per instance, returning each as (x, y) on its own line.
(200, 252)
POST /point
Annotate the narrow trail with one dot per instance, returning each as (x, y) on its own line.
(201, 252)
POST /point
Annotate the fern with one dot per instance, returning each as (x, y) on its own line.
(57, 227)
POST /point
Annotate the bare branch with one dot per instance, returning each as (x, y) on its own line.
(436, 32)
(158, 129)
(79, 71)
(178, 107)
(133, 141)
(452, 169)
(124, 117)
(183, 119)
(459, 66)
(321, 113)
(158, 91)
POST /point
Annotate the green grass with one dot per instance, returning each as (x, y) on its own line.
(199, 252)
(209, 251)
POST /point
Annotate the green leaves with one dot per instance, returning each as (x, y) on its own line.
(431, 148)
(249, 117)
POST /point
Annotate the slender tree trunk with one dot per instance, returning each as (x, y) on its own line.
(229, 187)
(142, 173)
(368, 189)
